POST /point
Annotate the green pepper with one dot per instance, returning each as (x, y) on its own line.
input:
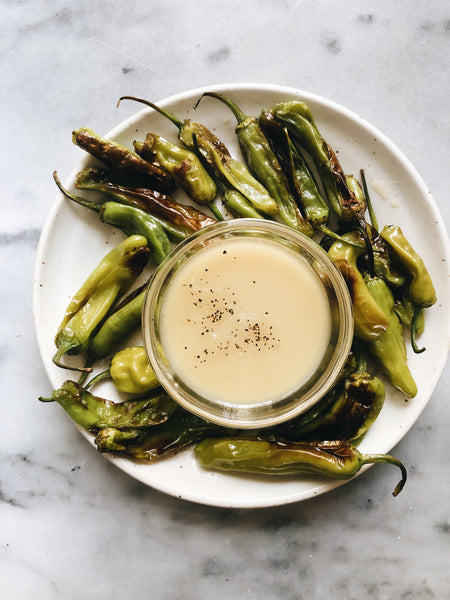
(122, 160)
(131, 372)
(90, 305)
(174, 217)
(331, 459)
(237, 204)
(265, 166)
(224, 167)
(370, 321)
(421, 290)
(346, 413)
(125, 319)
(390, 348)
(297, 117)
(129, 219)
(94, 413)
(405, 310)
(181, 430)
(184, 165)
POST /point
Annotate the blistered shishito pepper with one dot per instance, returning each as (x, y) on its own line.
(347, 412)
(420, 290)
(181, 430)
(90, 305)
(165, 209)
(224, 167)
(125, 319)
(131, 372)
(237, 205)
(122, 160)
(94, 413)
(390, 347)
(330, 459)
(183, 164)
(370, 320)
(131, 220)
(297, 117)
(264, 165)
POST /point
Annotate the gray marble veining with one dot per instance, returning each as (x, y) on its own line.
(71, 524)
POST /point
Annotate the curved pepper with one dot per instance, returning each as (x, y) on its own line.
(390, 348)
(346, 413)
(90, 305)
(121, 159)
(131, 372)
(184, 165)
(94, 413)
(178, 220)
(332, 459)
(370, 320)
(224, 167)
(265, 167)
(125, 319)
(129, 219)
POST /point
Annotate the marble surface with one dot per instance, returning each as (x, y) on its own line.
(71, 524)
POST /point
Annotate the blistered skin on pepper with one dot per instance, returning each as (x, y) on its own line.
(183, 164)
(121, 159)
(370, 320)
(131, 372)
(390, 348)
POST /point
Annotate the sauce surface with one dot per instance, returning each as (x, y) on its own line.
(245, 321)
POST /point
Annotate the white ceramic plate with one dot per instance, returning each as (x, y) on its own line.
(73, 241)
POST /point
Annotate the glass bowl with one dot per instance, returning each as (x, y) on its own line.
(247, 323)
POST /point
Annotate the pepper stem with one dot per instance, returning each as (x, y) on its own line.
(161, 111)
(240, 116)
(95, 206)
(387, 458)
(373, 218)
(100, 377)
(57, 361)
(415, 317)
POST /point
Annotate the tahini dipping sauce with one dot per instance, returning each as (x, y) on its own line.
(245, 321)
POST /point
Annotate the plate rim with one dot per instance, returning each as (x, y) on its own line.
(128, 466)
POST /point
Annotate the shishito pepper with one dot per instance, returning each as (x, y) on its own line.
(94, 413)
(347, 412)
(331, 459)
(125, 319)
(264, 165)
(122, 160)
(224, 167)
(183, 164)
(420, 290)
(89, 306)
(370, 320)
(181, 430)
(390, 347)
(131, 371)
(129, 219)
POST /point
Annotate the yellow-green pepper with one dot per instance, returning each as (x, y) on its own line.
(131, 372)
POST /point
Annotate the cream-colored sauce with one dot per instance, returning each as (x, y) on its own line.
(245, 321)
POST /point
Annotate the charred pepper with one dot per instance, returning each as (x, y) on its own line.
(90, 305)
(181, 430)
(223, 166)
(178, 220)
(265, 167)
(131, 220)
(94, 413)
(131, 372)
(331, 459)
(370, 320)
(390, 348)
(184, 165)
(125, 162)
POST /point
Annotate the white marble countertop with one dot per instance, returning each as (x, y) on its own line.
(71, 524)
